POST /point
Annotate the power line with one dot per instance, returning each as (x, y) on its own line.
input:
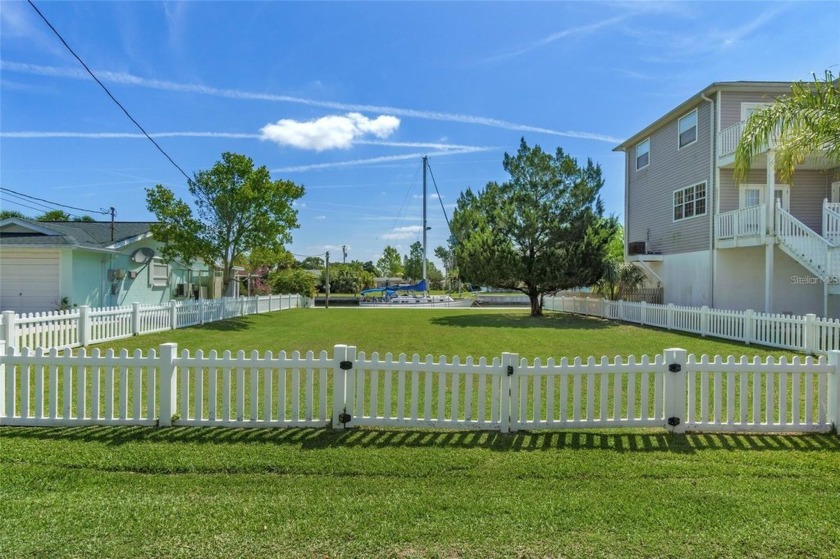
(21, 198)
(21, 194)
(23, 205)
(114, 99)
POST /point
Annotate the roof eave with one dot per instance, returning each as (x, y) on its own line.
(769, 87)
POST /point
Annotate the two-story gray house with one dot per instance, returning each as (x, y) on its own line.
(708, 240)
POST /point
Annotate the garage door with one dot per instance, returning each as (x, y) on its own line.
(29, 280)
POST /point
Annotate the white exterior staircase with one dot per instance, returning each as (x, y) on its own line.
(819, 254)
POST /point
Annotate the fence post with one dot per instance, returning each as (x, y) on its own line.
(810, 342)
(673, 392)
(10, 329)
(339, 386)
(167, 387)
(201, 307)
(643, 313)
(749, 326)
(704, 320)
(2, 381)
(84, 325)
(834, 389)
(669, 316)
(135, 319)
(173, 314)
(506, 400)
(621, 309)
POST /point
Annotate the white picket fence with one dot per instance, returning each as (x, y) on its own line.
(166, 387)
(86, 325)
(808, 334)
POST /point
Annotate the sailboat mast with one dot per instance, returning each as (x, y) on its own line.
(425, 164)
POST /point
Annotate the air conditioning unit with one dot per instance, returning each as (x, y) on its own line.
(637, 247)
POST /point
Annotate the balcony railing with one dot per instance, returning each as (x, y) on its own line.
(728, 139)
(745, 222)
(831, 222)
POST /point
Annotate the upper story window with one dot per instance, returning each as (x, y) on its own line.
(642, 154)
(688, 129)
(690, 201)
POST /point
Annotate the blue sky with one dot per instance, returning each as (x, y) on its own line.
(345, 98)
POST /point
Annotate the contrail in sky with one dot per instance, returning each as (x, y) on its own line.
(129, 79)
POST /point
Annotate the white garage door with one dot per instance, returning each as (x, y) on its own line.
(29, 280)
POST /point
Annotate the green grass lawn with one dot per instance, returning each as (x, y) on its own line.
(209, 492)
(450, 332)
(136, 492)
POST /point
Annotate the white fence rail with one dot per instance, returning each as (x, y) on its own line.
(672, 390)
(807, 334)
(86, 325)
(744, 222)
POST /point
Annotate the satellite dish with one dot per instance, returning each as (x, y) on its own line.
(142, 255)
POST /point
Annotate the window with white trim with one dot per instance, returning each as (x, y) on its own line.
(642, 154)
(687, 126)
(158, 273)
(690, 201)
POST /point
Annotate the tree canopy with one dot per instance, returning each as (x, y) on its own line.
(540, 231)
(797, 125)
(237, 209)
(391, 263)
(413, 262)
(312, 263)
(348, 278)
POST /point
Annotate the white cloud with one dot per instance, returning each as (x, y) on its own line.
(431, 196)
(406, 232)
(320, 217)
(329, 132)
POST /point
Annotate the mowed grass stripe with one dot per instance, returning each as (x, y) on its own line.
(449, 332)
(137, 492)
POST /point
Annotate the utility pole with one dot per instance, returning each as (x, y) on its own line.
(344, 251)
(327, 286)
(113, 226)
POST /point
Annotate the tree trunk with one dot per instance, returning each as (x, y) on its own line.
(536, 307)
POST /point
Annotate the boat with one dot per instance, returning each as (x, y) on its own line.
(416, 295)
(408, 296)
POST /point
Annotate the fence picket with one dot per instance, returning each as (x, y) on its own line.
(508, 394)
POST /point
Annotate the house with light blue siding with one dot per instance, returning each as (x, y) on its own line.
(49, 265)
(708, 240)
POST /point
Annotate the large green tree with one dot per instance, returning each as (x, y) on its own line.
(236, 209)
(797, 125)
(413, 262)
(293, 280)
(391, 263)
(312, 263)
(348, 278)
(542, 230)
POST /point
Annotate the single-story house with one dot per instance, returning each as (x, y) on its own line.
(52, 265)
